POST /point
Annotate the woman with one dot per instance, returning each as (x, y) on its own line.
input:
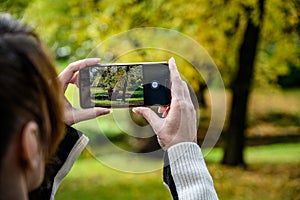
(32, 109)
(34, 113)
(31, 119)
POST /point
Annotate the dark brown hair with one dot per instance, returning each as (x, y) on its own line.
(29, 89)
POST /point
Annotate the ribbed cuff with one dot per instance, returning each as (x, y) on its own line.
(189, 171)
(189, 151)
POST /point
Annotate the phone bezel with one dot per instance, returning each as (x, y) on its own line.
(84, 88)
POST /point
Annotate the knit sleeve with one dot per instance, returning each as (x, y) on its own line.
(186, 174)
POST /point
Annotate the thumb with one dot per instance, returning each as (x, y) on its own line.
(154, 120)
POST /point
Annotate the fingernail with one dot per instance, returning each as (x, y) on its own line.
(136, 111)
(107, 111)
(172, 59)
(94, 59)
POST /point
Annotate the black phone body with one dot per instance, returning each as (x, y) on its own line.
(125, 85)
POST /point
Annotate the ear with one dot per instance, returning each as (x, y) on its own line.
(32, 155)
(30, 151)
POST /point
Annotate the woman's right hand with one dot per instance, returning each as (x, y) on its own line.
(179, 122)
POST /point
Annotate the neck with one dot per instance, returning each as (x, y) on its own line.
(12, 180)
(14, 192)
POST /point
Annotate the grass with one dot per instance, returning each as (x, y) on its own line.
(275, 154)
(272, 173)
(263, 181)
(90, 179)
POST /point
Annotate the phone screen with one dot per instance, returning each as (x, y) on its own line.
(125, 85)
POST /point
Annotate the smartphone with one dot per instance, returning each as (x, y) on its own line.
(125, 85)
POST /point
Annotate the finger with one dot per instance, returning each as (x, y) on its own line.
(173, 70)
(179, 88)
(161, 109)
(76, 66)
(166, 112)
(74, 79)
(176, 82)
(76, 116)
(67, 74)
(187, 92)
(154, 120)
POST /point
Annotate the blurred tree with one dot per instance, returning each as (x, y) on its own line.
(278, 33)
(73, 28)
(235, 138)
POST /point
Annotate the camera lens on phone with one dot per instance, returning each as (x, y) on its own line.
(154, 84)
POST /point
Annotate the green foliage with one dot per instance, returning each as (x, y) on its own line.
(279, 48)
(73, 28)
(15, 7)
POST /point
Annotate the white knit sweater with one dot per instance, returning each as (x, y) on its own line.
(187, 168)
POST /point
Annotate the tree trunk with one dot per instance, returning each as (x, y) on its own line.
(235, 136)
(125, 84)
(200, 94)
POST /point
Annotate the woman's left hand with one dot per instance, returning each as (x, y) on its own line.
(70, 76)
